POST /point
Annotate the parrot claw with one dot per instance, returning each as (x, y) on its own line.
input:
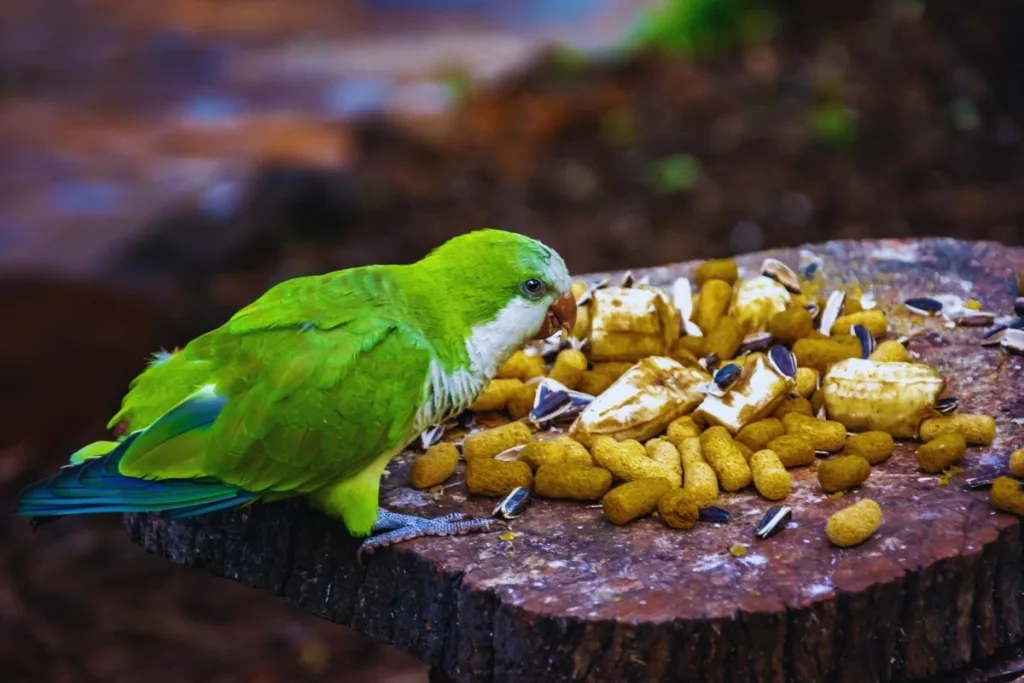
(397, 528)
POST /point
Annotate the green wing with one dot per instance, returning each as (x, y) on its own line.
(311, 398)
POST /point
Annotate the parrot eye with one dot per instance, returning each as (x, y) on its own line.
(534, 287)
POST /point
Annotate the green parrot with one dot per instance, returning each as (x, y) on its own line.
(311, 390)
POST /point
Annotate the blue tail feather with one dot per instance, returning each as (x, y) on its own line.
(96, 485)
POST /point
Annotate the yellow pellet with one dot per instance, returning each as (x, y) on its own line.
(744, 449)
(1016, 463)
(582, 328)
(794, 450)
(875, 447)
(613, 368)
(756, 435)
(843, 473)
(794, 405)
(634, 499)
(520, 403)
(941, 452)
(496, 394)
(873, 319)
(522, 366)
(725, 339)
(770, 476)
(817, 402)
(1020, 283)
(489, 443)
(594, 383)
(725, 458)
(678, 509)
(694, 345)
(826, 435)
(1007, 496)
(717, 269)
(434, 466)
(661, 451)
(854, 524)
(807, 382)
(821, 354)
(689, 450)
(572, 482)
(682, 428)
(715, 297)
(489, 477)
(568, 368)
(540, 452)
(977, 430)
(851, 304)
(683, 355)
(791, 324)
(575, 453)
(628, 460)
(701, 482)
(890, 351)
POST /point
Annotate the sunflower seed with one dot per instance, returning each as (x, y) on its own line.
(947, 405)
(555, 402)
(866, 339)
(1018, 307)
(709, 362)
(724, 378)
(713, 514)
(970, 318)
(514, 504)
(924, 305)
(432, 435)
(773, 521)
(983, 481)
(809, 263)
(759, 341)
(783, 360)
(781, 273)
(833, 307)
(1012, 341)
(627, 280)
(682, 297)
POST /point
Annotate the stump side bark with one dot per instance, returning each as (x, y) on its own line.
(569, 597)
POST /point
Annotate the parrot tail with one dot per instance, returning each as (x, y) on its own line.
(94, 450)
(93, 482)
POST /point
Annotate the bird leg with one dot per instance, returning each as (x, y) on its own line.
(394, 527)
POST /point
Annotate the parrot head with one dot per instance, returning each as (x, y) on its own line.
(508, 286)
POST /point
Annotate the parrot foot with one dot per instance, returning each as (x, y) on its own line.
(394, 527)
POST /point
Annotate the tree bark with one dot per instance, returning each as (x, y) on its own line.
(569, 597)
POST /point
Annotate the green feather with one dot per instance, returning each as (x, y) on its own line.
(313, 387)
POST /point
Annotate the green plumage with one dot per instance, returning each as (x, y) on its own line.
(314, 387)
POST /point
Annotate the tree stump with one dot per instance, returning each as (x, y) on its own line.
(569, 597)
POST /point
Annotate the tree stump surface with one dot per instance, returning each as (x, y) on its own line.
(570, 597)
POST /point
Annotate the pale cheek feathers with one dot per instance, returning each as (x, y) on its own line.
(490, 344)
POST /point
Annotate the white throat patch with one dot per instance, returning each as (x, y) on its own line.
(491, 344)
(488, 347)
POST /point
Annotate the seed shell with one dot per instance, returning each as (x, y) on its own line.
(514, 504)
(773, 521)
(713, 514)
(923, 305)
(832, 311)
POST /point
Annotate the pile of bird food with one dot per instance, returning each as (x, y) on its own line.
(659, 400)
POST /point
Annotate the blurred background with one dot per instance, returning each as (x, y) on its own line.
(161, 164)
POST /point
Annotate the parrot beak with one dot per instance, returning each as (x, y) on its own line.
(561, 316)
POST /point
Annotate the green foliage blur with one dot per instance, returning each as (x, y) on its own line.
(701, 29)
